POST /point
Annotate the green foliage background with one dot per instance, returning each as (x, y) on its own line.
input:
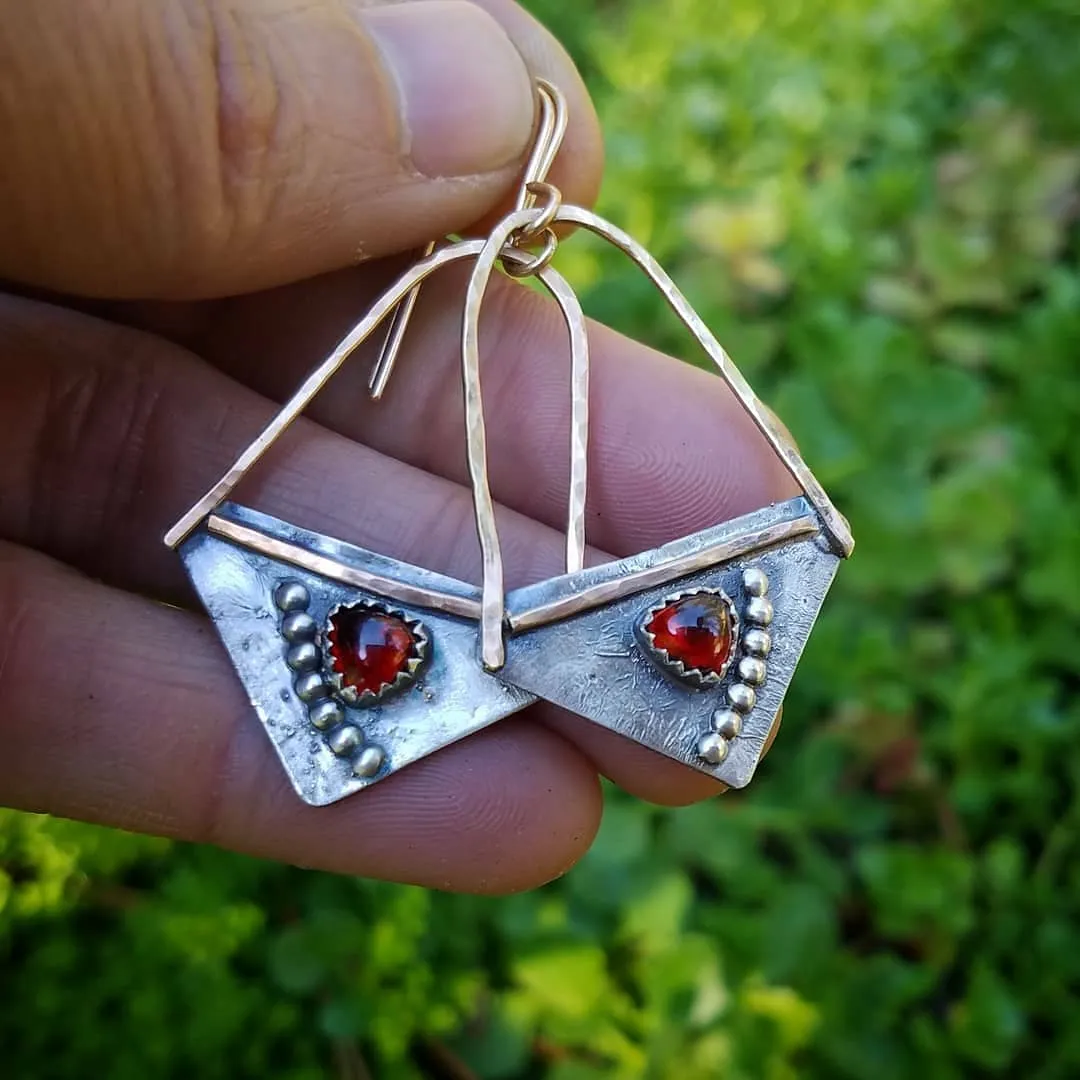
(874, 202)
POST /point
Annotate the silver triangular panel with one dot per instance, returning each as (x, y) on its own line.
(596, 663)
(451, 697)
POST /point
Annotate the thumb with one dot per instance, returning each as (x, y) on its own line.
(198, 148)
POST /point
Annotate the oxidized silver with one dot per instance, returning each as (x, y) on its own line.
(328, 749)
(593, 662)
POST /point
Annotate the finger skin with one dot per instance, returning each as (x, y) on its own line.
(210, 147)
(670, 782)
(119, 711)
(107, 434)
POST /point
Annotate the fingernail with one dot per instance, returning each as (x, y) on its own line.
(465, 96)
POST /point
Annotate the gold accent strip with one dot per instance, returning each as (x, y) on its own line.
(661, 573)
(492, 647)
(324, 566)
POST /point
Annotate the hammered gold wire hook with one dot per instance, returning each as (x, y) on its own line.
(551, 129)
(554, 118)
(498, 249)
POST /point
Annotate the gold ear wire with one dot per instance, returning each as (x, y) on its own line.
(399, 300)
(395, 336)
(833, 523)
(511, 242)
(313, 384)
(530, 223)
(551, 129)
(500, 245)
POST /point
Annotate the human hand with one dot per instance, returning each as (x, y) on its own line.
(160, 160)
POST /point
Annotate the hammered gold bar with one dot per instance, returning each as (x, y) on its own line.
(661, 573)
(311, 386)
(492, 618)
(833, 521)
(281, 550)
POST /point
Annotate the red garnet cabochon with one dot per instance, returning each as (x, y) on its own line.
(369, 648)
(695, 630)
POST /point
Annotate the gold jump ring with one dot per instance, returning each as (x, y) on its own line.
(523, 264)
(549, 210)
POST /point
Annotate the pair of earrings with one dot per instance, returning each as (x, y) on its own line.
(358, 664)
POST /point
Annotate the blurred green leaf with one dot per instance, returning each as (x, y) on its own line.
(571, 980)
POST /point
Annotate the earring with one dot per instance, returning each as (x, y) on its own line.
(358, 664)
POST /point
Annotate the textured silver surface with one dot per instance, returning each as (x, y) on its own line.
(593, 664)
(452, 698)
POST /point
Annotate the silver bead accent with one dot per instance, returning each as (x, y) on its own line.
(345, 740)
(727, 723)
(303, 657)
(311, 687)
(713, 748)
(326, 715)
(757, 643)
(752, 670)
(741, 697)
(291, 596)
(759, 610)
(755, 582)
(298, 626)
(369, 761)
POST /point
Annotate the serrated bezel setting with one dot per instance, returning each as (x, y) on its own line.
(692, 676)
(418, 655)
